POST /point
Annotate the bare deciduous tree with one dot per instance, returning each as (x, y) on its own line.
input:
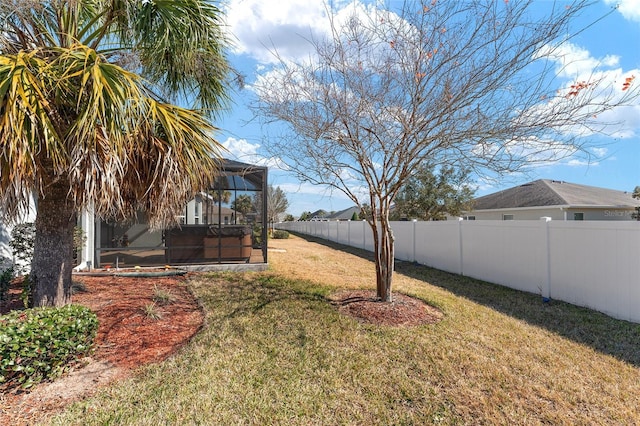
(463, 83)
(277, 204)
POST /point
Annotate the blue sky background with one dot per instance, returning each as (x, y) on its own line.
(259, 27)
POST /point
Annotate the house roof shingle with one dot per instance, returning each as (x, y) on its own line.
(545, 192)
(345, 214)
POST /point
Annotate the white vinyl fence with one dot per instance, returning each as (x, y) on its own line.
(595, 264)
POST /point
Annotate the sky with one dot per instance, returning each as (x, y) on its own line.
(258, 28)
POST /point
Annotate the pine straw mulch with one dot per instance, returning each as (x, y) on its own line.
(128, 337)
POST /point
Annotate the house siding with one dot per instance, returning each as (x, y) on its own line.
(556, 213)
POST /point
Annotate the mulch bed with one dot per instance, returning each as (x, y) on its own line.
(402, 311)
(127, 338)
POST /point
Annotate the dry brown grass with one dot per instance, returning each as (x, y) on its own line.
(275, 351)
(297, 258)
(504, 356)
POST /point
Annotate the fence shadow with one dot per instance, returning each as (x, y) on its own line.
(607, 335)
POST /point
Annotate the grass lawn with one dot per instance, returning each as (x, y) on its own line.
(274, 351)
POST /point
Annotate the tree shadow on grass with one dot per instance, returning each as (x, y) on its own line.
(607, 335)
(251, 294)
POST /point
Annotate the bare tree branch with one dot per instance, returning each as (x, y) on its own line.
(464, 84)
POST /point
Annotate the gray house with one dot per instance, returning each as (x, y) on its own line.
(345, 214)
(556, 199)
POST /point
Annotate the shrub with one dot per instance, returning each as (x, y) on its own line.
(257, 236)
(151, 311)
(279, 234)
(23, 238)
(78, 287)
(6, 276)
(38, 344)
(79, 238)
(26, 295)
(162, 296)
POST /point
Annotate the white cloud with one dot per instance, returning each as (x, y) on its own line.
(599, 152)
(601, 80)
(539, 152)
(240, 148)
(581, 163)
(575, 62)
(630, 9)
(590, 159)
(247, 152)
(625, 121)
(260, 27)
(322, 191)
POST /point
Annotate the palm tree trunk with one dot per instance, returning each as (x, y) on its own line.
(53, 249)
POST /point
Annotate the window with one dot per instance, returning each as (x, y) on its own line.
(507, 217)
(578, 216)
(196, 213)
(470, 218)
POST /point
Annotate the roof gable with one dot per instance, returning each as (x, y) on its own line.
(545, 192)
(345, 214)
(319, 214)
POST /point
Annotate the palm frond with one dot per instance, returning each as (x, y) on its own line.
(126, 146)
(181, 46)
(28, 135)
(69, 111)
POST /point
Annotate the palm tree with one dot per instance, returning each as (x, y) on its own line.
(217, 196)
(243, 204)
(86, 119)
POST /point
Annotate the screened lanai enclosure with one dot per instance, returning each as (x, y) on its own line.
(222, 224)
